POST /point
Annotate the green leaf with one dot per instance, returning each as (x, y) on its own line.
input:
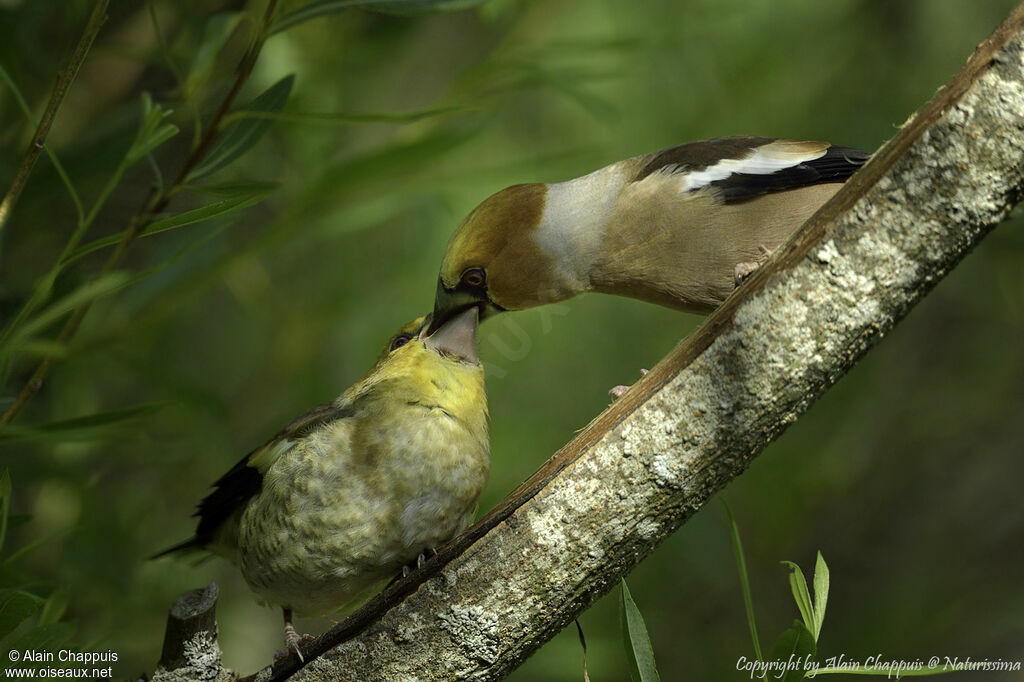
(792, 651)
(243, 134)
(246, 196)
(5, 504)
(84, 294)
(798, 584)
(821, 583)
(44, 348)
(321, 8)
(342, 118)
(88, 427)
(45, 637)
(741, 567)
(217, 209)
(637, 642)
(232, 190)
(15, 608)
(152, 132)
(54, 607)
(218, 30)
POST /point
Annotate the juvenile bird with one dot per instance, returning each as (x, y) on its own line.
(350, 492)
(677, 227)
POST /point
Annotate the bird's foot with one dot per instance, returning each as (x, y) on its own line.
(745, 270)
(618, 391)
(293, 641)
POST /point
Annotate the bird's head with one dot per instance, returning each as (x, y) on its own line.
(417, 361)
(424, 367)
(493, 261)
(416, 343)
(404, 335)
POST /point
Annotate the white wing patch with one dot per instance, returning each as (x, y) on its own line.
(764, 160)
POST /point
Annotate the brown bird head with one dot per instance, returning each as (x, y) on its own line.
(493, 262)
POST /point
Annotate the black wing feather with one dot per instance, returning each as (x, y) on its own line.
(836, 165)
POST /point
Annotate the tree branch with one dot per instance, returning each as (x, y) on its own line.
(190, 641)
(64, 80)
(695, 422)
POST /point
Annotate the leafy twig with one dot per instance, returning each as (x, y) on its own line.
(153, 206)
(65, 78)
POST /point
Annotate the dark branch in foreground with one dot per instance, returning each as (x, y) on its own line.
(190, 642)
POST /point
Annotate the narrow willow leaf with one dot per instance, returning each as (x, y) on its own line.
(43, 348)
(84, 294)
(638, 644)
(219, 28)
(160, 135)
(217, 209)
(15, 608)
(232, 203)
(741, 567)
(88, 427)
(821, 583)
(320, 8)
(343, 118)
(152, 132)
(5, 504)
(232, 190)
(792, 651)
(798, 584)
(242, 135)
(54, 607)
(583, 645)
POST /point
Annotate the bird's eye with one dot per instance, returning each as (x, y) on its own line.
(400, 341)
(474, 278)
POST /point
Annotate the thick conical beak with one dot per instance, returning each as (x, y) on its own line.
(456, 336)
(449, 303)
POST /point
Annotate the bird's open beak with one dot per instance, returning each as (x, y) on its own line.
(450, 302)
(456, 336)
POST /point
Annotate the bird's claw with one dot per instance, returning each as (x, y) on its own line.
(617, 392)
(425, 555)
(422, 558)
(293, 642)
(745, 270)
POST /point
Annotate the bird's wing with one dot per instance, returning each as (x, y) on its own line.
(232, 490)
(741, 168)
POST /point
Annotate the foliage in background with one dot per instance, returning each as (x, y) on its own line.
(28, 620)
(794, 654)
(272, 277)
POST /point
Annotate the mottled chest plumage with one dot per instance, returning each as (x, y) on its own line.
(355, 501)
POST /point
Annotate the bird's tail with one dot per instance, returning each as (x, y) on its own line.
(193, 544)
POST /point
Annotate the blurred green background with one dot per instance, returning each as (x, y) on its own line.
(907, 476)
